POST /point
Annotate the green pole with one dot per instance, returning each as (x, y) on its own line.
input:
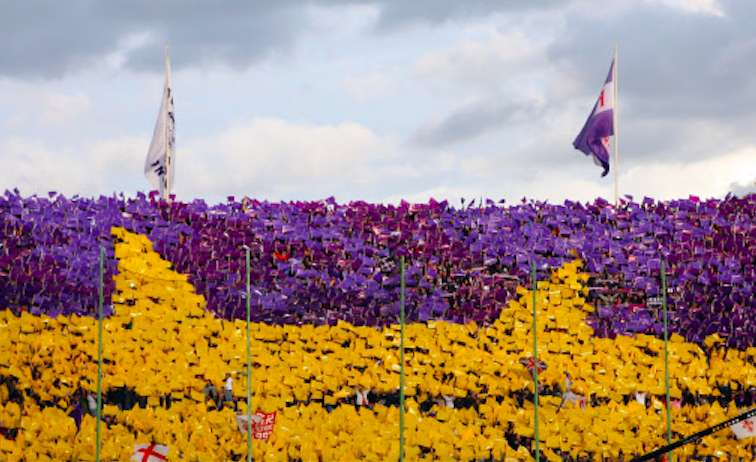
(101, 297)
(401, 368)
(666, 351)
(535, 360)
(249, 368)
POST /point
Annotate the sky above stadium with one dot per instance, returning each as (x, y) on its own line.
(378, 100)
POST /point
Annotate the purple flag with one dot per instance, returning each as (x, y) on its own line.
(593, 139)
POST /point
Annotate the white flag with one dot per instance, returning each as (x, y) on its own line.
(150, 453)
(158, 167)
(745, 429)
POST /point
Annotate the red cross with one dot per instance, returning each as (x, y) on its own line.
(601, 98)
(150, 451)
(748, 425)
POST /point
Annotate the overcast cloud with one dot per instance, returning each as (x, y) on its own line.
(378, 100)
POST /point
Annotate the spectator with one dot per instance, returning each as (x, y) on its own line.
(228, 391)
(211, 394)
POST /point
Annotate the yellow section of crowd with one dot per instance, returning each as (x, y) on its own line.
(162, 341)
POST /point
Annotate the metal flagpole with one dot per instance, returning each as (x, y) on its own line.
(401, 368)
(101, 297)
(162, 188)
(696, 436)
(666, 350)
(166, 192)
(249, 368)
(535, 361)
(615, 124)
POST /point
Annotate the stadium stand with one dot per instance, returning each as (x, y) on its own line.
(325, 310)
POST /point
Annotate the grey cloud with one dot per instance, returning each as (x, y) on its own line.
(671, 62)
(396, 13)
(219, 36)
(686, 91)
(472, 121)
(48, 39)
(741, 190)
(686, 87)
(681, 138)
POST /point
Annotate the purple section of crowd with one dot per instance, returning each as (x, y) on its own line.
(320, 262)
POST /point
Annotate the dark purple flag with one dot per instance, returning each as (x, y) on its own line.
(593, 139)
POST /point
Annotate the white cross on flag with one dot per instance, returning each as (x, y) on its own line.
(745, 429)
(150, 453)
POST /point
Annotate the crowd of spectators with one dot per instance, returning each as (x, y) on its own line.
(321, 262)
(334, 387)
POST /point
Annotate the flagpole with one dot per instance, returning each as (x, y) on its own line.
(695, 436)
(100, 297)
(162, 189)
(535, 361)
(615, 124)
(666, 350)
(401, 367)
(168, 160)
(249, 367)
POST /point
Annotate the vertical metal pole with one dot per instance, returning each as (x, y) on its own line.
(535, 360)
(162, 189)
(101, 299)
(401, 367)
(165, 189)
(249, 367)
(666, 352)
(615, 123)
(168, 148)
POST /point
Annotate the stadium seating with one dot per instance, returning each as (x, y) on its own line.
(325, 302)
(320, 262)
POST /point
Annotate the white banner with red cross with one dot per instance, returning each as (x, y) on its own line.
(262, 424)
(745, 429)
(150, 453)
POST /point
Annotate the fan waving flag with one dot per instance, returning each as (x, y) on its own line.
(158, 167)
(593, 139)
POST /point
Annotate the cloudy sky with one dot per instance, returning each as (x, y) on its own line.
(378, 99)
